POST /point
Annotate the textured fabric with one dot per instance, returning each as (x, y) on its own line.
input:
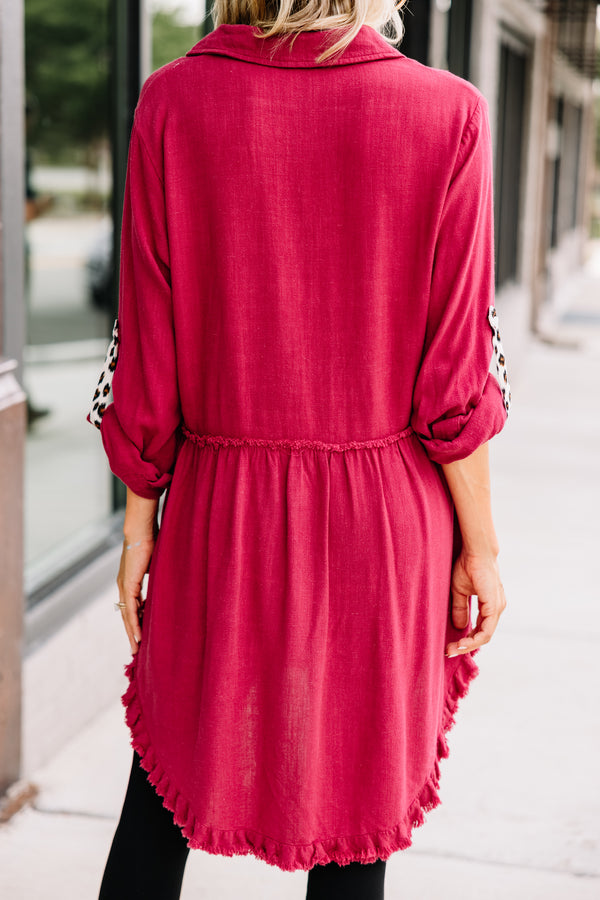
(306, 273)
(500, 359)
(100, 399)
(148, 855)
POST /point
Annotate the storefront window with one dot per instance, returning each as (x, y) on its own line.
(68, 297)
(74, 84)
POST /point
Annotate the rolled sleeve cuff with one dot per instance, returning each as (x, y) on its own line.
(143, 477)
(457, 437)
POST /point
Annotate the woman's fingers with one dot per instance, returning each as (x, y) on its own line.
(135, 562)
(480, 635)
(130, 615)
(460, 609)
(483, 583)
(132, 624)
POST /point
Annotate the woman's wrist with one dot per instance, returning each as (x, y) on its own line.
(469, 482)
(130, 543)
(136, 531)
(481, 549)
(141, 519)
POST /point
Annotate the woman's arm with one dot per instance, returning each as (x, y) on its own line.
(139, 530)
(476, 570)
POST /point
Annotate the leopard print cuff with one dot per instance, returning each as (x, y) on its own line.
(100, 398)
(500, 359)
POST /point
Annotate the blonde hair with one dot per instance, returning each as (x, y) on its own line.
(289, 17)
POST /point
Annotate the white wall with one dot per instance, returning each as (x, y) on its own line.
(76, 672)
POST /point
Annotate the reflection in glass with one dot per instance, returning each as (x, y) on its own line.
(67, 286)
(176, 26)
(70, 295)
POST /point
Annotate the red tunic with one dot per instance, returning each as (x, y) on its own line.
(306, 271)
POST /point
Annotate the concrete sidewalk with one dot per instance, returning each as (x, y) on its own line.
(520, 813)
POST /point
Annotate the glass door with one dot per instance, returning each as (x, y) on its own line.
(68, 281)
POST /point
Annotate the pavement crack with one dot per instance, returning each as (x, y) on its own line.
(75, 813)
(464, 857)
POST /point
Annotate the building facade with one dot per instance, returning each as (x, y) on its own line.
(535, 62)
(61, 185)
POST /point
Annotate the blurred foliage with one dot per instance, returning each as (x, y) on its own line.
(67, 65)
(169, 38)
(597, 118)
(66, 70)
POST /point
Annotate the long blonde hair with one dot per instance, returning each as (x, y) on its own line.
(289, 17)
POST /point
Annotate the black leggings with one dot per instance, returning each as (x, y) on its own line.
(148, 856)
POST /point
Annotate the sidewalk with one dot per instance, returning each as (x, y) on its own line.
(520, 812)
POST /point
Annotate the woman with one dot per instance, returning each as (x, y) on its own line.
(303, 344)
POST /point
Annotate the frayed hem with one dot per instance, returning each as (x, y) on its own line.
(363, 848)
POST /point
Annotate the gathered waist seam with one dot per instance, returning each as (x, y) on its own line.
(219, 440)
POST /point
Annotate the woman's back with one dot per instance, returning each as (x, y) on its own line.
(303, 208)
(306, 279)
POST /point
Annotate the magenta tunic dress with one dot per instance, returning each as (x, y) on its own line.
(307, 268)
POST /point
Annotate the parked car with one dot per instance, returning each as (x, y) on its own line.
(100, 269)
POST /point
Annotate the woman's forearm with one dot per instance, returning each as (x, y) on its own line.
(140, 518)
(469, 483)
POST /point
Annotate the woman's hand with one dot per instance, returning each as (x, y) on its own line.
(478, 576)
(475, 572)
(140, 529)
(135, 562)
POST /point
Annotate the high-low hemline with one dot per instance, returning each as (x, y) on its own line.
(244, 841)
(291, 675)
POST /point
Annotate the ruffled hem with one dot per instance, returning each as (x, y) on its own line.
(290, 857)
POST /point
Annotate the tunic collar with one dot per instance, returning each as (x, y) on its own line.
(239, 41)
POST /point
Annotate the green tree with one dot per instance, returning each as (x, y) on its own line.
(171, 39)
(67, 67)
(66, 71)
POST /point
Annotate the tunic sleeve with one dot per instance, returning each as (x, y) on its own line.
(140, 428)
(457, 403)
